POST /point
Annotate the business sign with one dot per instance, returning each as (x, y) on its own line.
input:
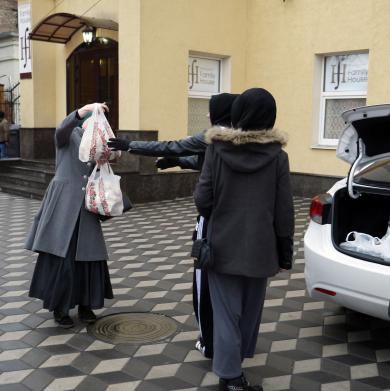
(24, 23)
(346, 73)
(203, 75)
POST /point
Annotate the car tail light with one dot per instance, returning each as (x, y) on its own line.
(320, 208)
(326, 291)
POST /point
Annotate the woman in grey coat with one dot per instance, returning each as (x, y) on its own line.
(244, 189)
(71, 268)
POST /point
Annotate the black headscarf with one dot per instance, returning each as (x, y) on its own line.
(220, 108)
(254, 109)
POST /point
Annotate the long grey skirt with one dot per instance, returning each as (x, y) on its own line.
(63, 283)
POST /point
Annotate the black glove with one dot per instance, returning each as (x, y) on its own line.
(285, 247)
(118, 144)
(167, 162)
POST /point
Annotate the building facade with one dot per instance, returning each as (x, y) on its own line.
(165, 59)
(9, 60)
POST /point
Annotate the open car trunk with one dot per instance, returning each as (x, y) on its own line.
(369, 214)
(364, 205)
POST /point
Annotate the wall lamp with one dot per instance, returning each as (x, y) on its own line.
(89, 34)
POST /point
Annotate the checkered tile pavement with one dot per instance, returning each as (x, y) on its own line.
(303, 344)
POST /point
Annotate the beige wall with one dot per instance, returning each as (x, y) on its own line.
(38, 93)
(169, 31)
(274, 44)
(43, 98)
(129, 64)
(283, 41)
(155, 39)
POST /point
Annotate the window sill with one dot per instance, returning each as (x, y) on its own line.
(323, 146)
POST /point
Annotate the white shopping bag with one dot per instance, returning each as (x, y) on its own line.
(363, 243)
(97, 131)
(103, 193)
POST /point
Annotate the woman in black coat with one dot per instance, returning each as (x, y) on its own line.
(176, 153)
(244, 189)
(187, 153)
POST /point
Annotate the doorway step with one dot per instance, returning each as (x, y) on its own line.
(26, 178)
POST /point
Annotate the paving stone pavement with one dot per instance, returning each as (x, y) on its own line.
(303, 344)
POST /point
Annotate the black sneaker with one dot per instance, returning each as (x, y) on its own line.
(86, 315)
(63, 319)
(237, 384)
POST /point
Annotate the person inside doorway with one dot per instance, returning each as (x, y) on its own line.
(244, 190)
(71, 268)
(4, 135)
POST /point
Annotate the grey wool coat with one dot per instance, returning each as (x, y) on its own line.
(64, 202)
(244, 189)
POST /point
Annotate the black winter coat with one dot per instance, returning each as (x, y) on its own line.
(245, 189)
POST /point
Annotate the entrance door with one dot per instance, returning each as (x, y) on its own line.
(92, 76)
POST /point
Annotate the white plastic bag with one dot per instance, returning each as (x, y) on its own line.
(103, 193)
(363, 243)
(97, 131)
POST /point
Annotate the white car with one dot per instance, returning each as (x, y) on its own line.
(360, 202)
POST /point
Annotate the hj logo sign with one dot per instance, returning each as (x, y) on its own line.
(193, 73)
(25, 54)
(347, 72)
(24, 24)
(339, 72)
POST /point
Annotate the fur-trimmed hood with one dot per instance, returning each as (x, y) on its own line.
(246, 151)
(240, 137)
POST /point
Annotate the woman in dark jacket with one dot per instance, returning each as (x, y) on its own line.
(187, 153)
(244, 189)
(177, 154)
(71, 268)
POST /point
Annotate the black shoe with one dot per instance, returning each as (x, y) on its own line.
(237, 384)
(86, 315)
(63, 319)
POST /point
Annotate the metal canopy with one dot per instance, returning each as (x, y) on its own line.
(61, 27)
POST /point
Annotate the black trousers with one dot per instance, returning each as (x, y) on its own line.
(201, 297)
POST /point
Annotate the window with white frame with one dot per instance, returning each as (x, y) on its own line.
(204, 81)
(344, 87)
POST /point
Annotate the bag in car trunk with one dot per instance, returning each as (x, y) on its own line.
(368, 214)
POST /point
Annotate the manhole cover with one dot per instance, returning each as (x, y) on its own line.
(133, 327)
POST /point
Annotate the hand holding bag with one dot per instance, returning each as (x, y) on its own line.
(97, 132)
(103, 193)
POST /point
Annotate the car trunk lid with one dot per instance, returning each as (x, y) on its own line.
(365, 143)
